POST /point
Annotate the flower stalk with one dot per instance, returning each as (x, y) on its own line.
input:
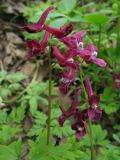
(89, 121)
(49, 96)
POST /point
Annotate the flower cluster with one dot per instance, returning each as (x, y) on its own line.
(81, 116)
(69, 62)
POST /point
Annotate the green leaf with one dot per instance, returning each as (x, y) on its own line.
(97, 19)
(43, 101)
(109, 108)
(7, 132)
(66, 6)
(39, 124)
(6, 153)
(99, 136)
(37, 88)
(15, 87)
(56, 129)
(57, 23)
(76, 18)
(17, 114)
(5, 92)
(56, 14)
(12, 151)
(60, 132)
(33, 102)
(3, 116)
(104, 96)
(109, 152)
(17, 147)
(41, 151)
(16, 77)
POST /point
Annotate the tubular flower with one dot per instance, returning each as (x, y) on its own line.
(66, 60)
(67, 78)
(116, 78)
(38, 26)
(89, 55)
(37, 48)
(79, 125)
(71, 111)
(59, 33)
(74, 42)
(94, 112)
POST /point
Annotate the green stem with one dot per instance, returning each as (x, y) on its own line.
(21, 94)
(89, 121)
(49, 97)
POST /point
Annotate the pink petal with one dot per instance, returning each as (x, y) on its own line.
(100, 62)
(94, 100)
(58, 55)
(95, 114)
(44, 41)
(79, 34)
(89, 88)
(92, 48)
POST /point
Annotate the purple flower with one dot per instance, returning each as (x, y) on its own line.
(67, 78)
(89, 55)
(74, 42)
(94, 112)
(79, 125)
(116, 78)
(38, 26)
(66, 60)
(37, 48)
(71, 111)
(59, 33)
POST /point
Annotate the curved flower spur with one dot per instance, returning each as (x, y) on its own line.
(38, 26)
(59, 33)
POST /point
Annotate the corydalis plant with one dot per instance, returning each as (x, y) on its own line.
(70, 67)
